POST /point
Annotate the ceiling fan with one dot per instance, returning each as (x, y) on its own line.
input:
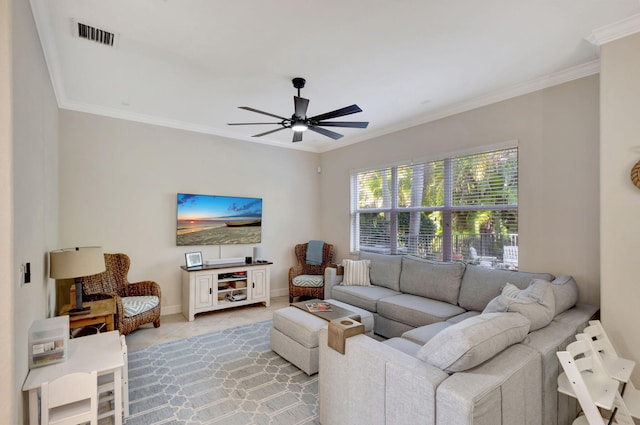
(299, 122)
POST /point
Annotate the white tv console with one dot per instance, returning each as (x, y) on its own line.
(215, 287)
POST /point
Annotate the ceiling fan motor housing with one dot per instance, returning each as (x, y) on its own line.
(298, 83)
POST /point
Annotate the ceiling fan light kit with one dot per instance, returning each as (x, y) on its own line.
(299, 122)
(299, 125)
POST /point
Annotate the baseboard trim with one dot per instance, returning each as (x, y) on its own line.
(171, 309)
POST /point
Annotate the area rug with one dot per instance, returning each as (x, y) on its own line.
(226, 377)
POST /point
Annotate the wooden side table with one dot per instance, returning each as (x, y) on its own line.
(102, 311)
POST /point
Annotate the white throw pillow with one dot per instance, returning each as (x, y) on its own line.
(356, 273)
(474, 341)
(536, 302)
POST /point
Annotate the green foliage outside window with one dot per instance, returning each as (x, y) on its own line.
(458, 203)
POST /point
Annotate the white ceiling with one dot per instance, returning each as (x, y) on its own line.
(190, 63)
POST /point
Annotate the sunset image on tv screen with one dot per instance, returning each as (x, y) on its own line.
(218, 220)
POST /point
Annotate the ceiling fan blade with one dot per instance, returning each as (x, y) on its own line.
(268, 132)
(325, 132)
(351, 124)
(297, 136)
(300, 105)
(251, 123)
(347, 110)
(246, 108)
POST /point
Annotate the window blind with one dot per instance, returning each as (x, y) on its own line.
(460, 208)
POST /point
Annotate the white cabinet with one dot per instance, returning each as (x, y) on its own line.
(224, 286)
(203, 290)
(259, 283)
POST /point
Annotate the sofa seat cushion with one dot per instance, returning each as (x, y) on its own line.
(416, 311)
(361, 296)
(464, 316)
(404, 345)
(480, 285)
(474, 341)
(133, 306)
(423, 334)
(431, 279)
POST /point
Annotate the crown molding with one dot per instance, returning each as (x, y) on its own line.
(170, 123)
(49, 50)
(615, 31)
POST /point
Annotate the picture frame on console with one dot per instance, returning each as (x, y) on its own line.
(194, 259)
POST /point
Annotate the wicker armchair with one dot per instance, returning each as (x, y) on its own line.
(302, 268)
(113, 283)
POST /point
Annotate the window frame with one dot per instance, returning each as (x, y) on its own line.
(447, 208)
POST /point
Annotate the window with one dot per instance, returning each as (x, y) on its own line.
(455, 209)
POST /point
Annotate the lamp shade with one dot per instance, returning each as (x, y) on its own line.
(76, 262)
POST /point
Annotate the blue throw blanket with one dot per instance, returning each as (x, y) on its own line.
(314, 252)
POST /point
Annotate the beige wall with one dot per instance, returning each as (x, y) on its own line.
(557, 134)
(118, 186)
(33, 193)
(619, 198)
(8, 392)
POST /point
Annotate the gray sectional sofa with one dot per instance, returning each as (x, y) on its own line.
(466, 345)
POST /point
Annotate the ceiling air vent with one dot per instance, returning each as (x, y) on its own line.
(89, 32)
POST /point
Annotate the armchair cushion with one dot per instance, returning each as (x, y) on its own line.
(133, 306)
(308, 281)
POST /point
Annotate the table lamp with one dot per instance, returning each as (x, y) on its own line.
(76, 263)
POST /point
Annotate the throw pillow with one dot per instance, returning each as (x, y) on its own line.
(356, 273)
(474, 341)
(536, 302)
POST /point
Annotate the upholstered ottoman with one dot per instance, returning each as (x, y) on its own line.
(294, 335)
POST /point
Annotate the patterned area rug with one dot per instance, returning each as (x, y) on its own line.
(226, 377)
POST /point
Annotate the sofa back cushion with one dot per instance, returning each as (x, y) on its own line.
(431, 279)
(474, 341)
(384, 270)
(481, 284)
(565, 290)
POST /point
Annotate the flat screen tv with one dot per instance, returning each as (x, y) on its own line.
(218, 220)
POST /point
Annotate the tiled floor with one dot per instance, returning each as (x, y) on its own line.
(175, 326)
